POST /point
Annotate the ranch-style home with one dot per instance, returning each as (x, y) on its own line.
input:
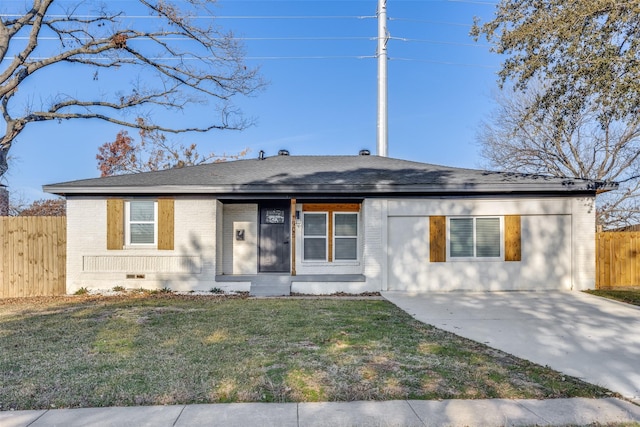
(326, 224)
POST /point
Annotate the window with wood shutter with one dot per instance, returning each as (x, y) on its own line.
(460, 238)
(475, 237)
(140, 223)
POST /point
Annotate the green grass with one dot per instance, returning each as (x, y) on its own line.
(143, 349)
(630, 296)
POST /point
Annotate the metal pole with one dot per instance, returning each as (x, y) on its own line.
(383, 133)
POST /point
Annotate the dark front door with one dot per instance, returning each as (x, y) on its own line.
(275, 230)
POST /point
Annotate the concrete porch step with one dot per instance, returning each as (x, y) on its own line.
(265, 290)
(270, 286)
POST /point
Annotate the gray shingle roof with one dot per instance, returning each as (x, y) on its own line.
(354, 175)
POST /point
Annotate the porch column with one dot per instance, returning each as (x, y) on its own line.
(293, 237)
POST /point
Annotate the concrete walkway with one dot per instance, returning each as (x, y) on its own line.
(585, 336)
(496, 412)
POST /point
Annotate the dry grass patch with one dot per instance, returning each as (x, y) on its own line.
(628, 295)
(167, 349)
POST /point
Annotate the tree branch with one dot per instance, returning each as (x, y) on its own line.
(187, 64)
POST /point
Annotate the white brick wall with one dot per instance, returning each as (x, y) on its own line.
(584, 246)
(194, 238)
(375, 230)
(219, 237)
(557, 247)
(556, 232)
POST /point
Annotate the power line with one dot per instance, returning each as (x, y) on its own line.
(257, 17)
(426, 21)
(430, 61)
(486, 3)
(291, 38)
(277, 58)
(268, 58)
(10, 15)
(403, 39)
(51, 38)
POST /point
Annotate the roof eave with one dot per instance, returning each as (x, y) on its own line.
(364, 189)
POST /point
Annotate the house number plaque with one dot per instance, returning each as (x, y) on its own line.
(275, 216)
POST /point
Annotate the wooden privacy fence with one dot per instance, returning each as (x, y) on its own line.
(617, 259)
(32, 256)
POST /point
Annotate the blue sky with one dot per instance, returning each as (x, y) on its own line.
(319, 60)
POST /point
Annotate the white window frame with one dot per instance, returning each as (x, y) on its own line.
(326, 236)
(475, 258)
(356, 237)
(128, 223)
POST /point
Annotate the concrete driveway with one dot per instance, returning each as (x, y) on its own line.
(588, 337)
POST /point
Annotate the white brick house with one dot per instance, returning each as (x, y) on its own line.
(326, 224)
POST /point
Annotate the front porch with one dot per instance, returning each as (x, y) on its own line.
(265, 246)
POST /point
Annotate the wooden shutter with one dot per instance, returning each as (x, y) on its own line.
(437, 239)
(165, 224)
(115, 224)
(512, 238)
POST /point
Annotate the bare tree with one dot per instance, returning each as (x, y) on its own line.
(153, 152)
(181, 57)
(584, 146)
(45, 207)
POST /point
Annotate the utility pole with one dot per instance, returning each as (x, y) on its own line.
(383, 38)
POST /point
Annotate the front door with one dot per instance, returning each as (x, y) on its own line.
(275, 231)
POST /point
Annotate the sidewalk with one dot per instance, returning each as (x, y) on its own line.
(495, 412)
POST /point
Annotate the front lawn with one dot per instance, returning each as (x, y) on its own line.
(628, 295)
(169, 349)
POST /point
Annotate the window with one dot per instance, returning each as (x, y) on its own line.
(345, 243)
(475, 237)
(141, 222)
(315, 237)
(330, 236)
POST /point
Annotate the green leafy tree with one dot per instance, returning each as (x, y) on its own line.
(176, 58)
(586, 52)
